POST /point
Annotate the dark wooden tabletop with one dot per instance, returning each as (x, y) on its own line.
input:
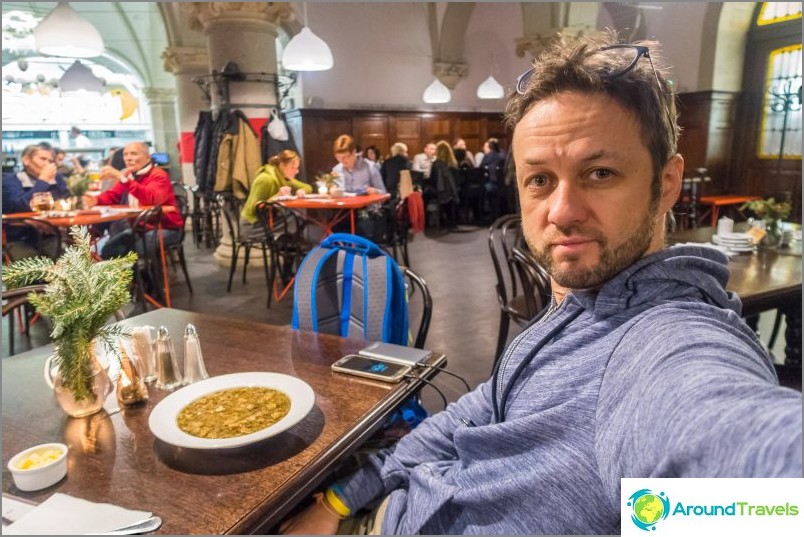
(115, 458)
(763, 280)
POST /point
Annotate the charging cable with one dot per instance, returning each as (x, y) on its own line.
(414, 377)
(443, 370)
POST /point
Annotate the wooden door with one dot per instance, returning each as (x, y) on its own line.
(406, 129)
(372, 130)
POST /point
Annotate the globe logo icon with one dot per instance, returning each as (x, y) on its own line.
(648, 508)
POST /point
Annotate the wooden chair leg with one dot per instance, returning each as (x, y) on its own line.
(502, 337)
(232, 266)
(183, 263)
(268, 281)
(247, 246)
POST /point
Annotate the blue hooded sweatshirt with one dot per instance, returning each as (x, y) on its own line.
(652, 375)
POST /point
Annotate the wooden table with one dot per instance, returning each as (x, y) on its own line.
(101, 214)
(765, 280)
(88, 217)
(115, 458)
(341, 207)
(716, 202)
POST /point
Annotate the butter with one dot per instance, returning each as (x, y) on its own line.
(37, 459)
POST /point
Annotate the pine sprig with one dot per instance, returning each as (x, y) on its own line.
(79, 298)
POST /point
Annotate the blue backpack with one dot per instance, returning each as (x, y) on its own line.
(349, 286)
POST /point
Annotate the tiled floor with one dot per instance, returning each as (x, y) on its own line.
(458, 272)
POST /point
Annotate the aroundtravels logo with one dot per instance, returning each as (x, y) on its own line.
(648, 508)
(664, 506)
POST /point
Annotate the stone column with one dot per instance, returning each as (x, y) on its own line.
(547, 22)
(186, 63)
(244, 33)
(162, 102)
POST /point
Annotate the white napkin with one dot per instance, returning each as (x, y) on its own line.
(65, 515)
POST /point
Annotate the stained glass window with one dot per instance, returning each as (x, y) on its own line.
(773, 12)
(781, 116)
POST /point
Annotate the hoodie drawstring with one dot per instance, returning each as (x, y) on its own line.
(499, 411)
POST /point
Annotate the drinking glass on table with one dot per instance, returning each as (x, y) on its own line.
(42, 201)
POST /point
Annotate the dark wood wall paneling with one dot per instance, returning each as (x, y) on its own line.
(706, 119)
(316, 130)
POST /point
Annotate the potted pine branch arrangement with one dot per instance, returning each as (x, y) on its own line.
(79, 298)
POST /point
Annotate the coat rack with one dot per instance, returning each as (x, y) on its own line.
(785, 101)
(220, 81)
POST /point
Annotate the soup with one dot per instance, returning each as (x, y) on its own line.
(233, 412)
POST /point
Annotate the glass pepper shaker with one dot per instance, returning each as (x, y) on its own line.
(194, 369)
(167, 370)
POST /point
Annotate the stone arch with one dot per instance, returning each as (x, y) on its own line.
(447, 38)
(725, 31)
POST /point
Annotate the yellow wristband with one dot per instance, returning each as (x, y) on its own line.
(336, 503)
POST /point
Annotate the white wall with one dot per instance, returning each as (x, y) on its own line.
(679, 28)
(383, 55)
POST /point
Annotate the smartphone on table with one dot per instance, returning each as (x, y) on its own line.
(364, 366)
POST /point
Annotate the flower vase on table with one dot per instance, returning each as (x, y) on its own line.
(772, 213)
(79, 298)
(85, 393)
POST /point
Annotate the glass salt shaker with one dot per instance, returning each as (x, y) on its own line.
(167, 370)
(194, 369)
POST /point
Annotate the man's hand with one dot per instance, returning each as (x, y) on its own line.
(371, 190)
(315, 520)
(300, 193)
(90, 201)
(284, 191)
(48, 173)
(107, 172)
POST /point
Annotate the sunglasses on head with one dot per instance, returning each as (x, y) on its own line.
(621, 60)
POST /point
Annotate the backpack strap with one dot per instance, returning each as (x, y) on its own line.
(305, 310)
(346, 309)
(346, 241)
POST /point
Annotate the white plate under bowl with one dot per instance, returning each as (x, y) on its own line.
(163, 420)
(740, 249)
(741, 241)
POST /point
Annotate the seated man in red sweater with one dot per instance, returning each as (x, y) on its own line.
(139, 183)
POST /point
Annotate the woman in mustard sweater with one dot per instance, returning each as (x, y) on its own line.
(277, 178)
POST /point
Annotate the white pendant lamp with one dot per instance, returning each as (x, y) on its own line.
(65, 33)
(436, 93)
(79, 77)
(306, 51)
(490, 89)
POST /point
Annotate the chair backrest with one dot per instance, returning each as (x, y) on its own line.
(230, 206)
(534, 279)
(504, 234)
(16, 298)
(350, 287)
(416, 282)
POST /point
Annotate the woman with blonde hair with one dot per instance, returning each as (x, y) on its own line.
(443, 184)
(277, 178)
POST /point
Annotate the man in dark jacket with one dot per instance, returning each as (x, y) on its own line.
(392, 166)
(39, 175)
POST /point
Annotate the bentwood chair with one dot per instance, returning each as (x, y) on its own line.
(416, 284)
(283, 233)
(513, 300)
(16, 301)
(182, 203)
(147, 269)
(230, 207)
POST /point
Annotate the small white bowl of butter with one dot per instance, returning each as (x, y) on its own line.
(39, 467)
